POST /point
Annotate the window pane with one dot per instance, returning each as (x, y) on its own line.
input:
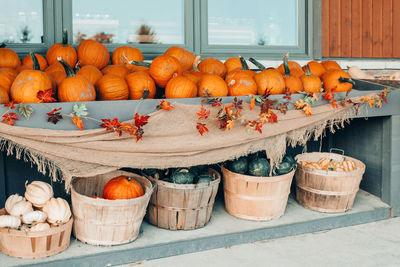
(252, 22)
(21, 21)
(129, 21)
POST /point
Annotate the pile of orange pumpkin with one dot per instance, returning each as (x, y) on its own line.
(330, 165)
(84, 75)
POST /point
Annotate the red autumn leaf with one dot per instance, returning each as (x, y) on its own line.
(10, 105)
(165, 105)
(10, 118)
(288, 95)
(46, 96)
(334, 104)
(113, 125)
(138, 134)
(258, 127)
(78, 122)
(203, 113)
(237, 104)
(215, 102)
(252, 102)
(53, 111)
(126, 127)
(328, 95)
(202, 128)
(140, 120)
(272, 117)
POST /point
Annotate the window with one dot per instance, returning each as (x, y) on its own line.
(219, 28)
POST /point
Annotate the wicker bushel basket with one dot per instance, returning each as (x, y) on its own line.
(256, 198)
(327, 191)
(182, 206)
(107, 222)
(31, 245)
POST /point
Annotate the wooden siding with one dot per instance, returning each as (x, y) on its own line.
(361, 28)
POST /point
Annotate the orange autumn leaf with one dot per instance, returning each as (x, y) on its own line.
(299, 104)
(165, 105)
(229, 125)
(46, 96)
(308, 110)
(203, 113)
(334, 104)
(252, 102)
(78, 122)
(202, 128)
(10, 118)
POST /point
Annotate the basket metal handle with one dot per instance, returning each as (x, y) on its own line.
(337, 149)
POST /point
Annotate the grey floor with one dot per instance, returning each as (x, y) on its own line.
(373, 244)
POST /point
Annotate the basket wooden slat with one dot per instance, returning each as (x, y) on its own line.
(182, 206)
(327, 191)
(256, 198)
(107, 222)
(38, 244)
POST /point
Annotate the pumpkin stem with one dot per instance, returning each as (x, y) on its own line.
(36, 65)
(244, 63)
(286, 64)
(65, 37)
(347, 80)
(196, 63)
(308, 71)
(145, 94)
(67, 68)
(2, 45)
(257, 64)
(140, 63)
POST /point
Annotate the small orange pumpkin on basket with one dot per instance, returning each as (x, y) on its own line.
(164, 68)
(186, 58)
(91, 52)
(138, 83)
(27, 61)
(119, 70)
(180, 87)
(125, 54)
(240, 81)
(268, 80)
(233, 63)
(212, 85)
(91, 73)
(122, 187)
(63, 50)
(75, 88)
(311, 83)
(330, 65)
(112, 87)
(315, 68)
(212, 66)
(194, 74)
(292, 83)
(4, 98)
(337, 81)
(7, 76)
(294, 68)
(8, 57)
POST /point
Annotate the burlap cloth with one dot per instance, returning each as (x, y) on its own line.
(170, 140)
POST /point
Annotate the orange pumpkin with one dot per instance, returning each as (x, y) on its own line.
(270, 81)
(54, 67)
(186, 58)
(56, 72)
(118, 70)
(163, 68)
(194, 74)
(294, 68)
(28, 83)
(19, 69)
(316, 68)
(27, 61)
(8, 58)
(212, 66)
(348, 165)
(75, 88)
(138, 83)
(311, 83)
(112, 87)
(91, 73)
(292, 83)
(330, 64)
(337, 81)
(122, 187)
(124, 54)
(232, 63)
(240, 82)
(180, 87)
(7, 76)
(212, 85)
(63, 50)
(4, 98)
(91, 52)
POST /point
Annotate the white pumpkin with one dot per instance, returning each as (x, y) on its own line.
(20, 208)
(10, 221)
(40, 227)
(58, 211)
(34, 216)
(11, 200)
(38, 193)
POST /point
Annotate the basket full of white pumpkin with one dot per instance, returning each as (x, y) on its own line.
(36, 225)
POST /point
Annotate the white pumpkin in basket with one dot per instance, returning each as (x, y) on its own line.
(58, 211)
(11, 200)
(20, 208)
(10, 221)
(40, 227)
(38, 193)
(34, 216)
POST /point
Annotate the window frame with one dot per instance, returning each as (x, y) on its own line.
(48, 33)
(304, 48)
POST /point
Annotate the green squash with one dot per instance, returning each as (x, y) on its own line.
(150, 172)
(284, 167)
(289, 159)
(182, 176)
(239, 165)
(259, 167)
(204, 178)
(198, 170)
